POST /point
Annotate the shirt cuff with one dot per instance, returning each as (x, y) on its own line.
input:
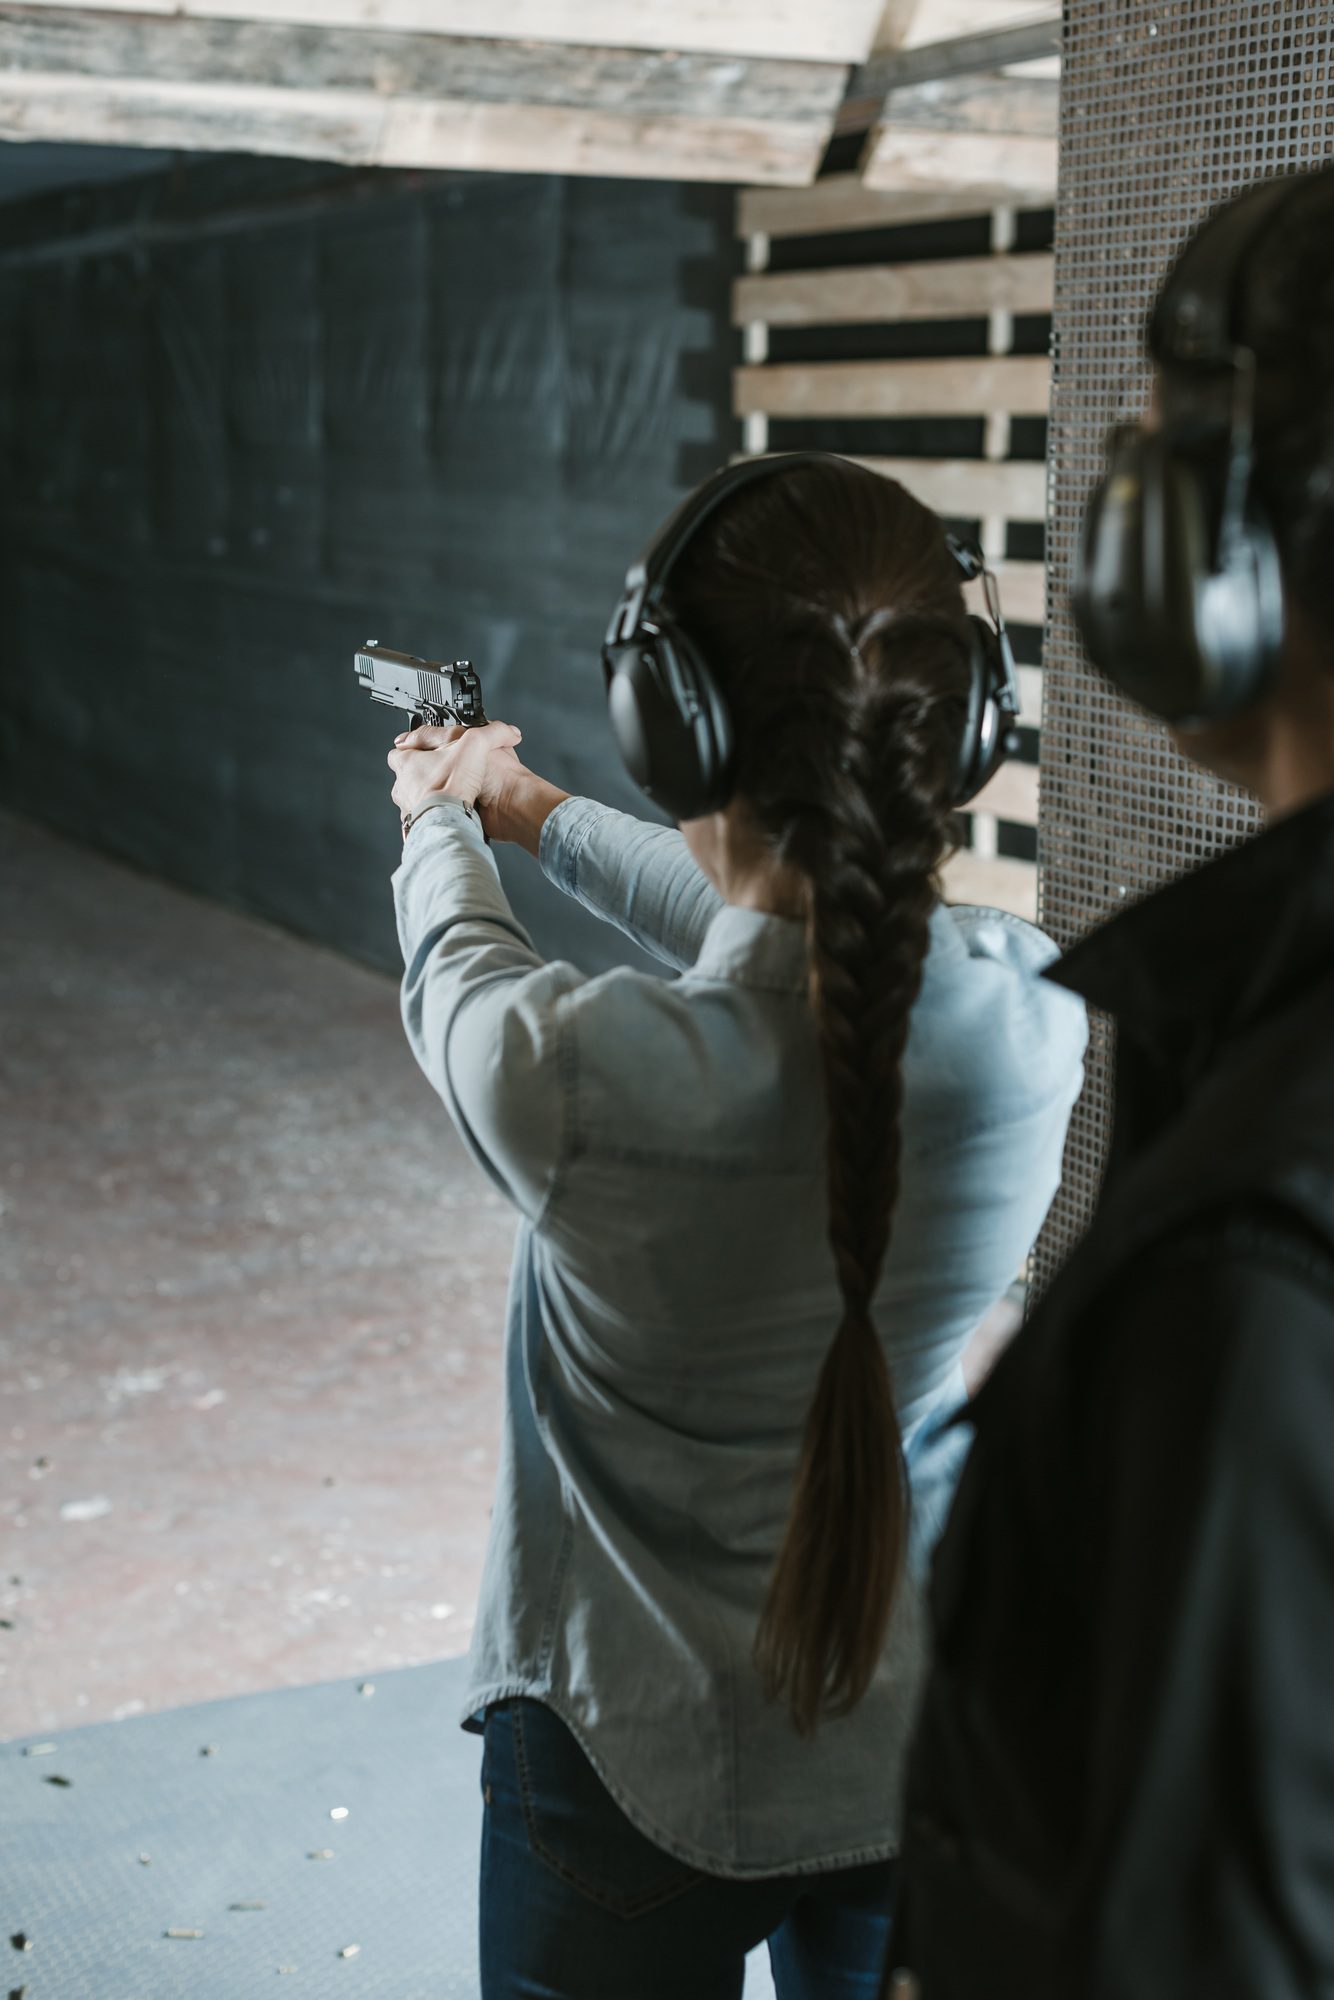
(561, 842)
(430, 805)
(436, 830)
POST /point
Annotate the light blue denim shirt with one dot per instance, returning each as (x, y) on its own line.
(673, 1296)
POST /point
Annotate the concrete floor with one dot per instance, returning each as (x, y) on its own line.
(251, 1305)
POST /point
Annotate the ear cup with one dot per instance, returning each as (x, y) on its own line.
(1186, 621)
(657, 680)
(1107, 596)
(970, 743)
(1173, 560)
(1146, 538)
(670, 722)
(988, 731)
(1240, 618)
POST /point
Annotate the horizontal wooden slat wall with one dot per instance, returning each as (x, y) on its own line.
(906, 388)
(895, 292)
(804, 381)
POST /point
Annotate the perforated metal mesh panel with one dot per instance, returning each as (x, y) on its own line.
(1166, 110)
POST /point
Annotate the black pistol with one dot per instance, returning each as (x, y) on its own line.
(430, 692)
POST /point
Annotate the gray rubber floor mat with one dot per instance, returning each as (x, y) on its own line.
(278, 1831)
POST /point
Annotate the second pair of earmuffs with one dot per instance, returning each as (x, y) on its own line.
(1178, 591)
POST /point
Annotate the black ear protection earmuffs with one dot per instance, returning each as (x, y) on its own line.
(668, 714)
(1178, 590)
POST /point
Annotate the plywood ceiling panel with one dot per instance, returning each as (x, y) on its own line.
(839, 31)
(946, 20)
(737, 90)
(369, 96)
(982, 169)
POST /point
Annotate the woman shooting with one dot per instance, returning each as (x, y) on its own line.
(763, 1207)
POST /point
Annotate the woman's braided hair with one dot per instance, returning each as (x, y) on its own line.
(828, 605)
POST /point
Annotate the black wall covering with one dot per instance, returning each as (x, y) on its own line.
(257, 412)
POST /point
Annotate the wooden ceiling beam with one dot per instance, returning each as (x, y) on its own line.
(954, 91)
(371, 97)
(980, 170)
(838, 31)
(995, 135)
(962, 55)
(87, 44)
(447, 134)
(1025, 106)
(896, 24)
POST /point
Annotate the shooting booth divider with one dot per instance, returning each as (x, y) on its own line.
(1166, 110)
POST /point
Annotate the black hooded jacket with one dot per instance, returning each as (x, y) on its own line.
(1122, 1786)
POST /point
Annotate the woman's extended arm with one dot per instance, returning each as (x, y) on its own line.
(633, 874)
(481, 1008)
(638, 876)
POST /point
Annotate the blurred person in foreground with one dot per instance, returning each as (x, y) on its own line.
(1122, 1785)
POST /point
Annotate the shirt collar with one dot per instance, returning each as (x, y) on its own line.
(1207, 957)
(752, 948)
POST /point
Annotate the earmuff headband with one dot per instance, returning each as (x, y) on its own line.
(646, 578)
(668, 713)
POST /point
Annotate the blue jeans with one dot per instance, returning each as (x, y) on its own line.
(577, 1904)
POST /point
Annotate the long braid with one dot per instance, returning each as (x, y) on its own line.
(834, 602)
(871, 863)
